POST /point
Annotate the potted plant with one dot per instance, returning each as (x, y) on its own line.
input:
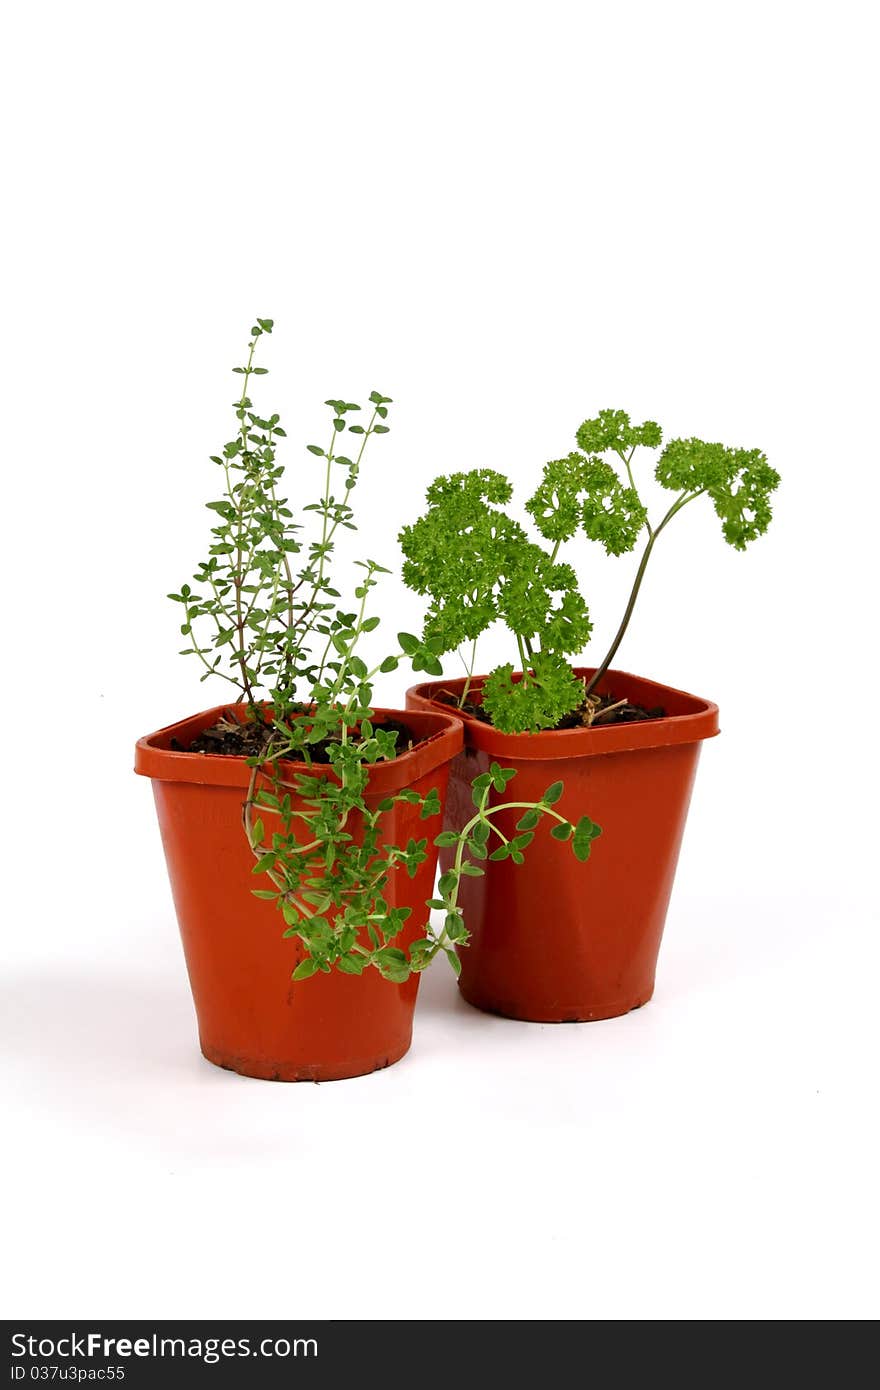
(545, 946)
(297, 819)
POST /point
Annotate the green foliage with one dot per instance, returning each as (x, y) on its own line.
(539, 702)
(585, 491)
(612, 514)
(739, 482)
(477, 565)
(482, 838)
(585, 832)
(611, 429)
(264, 615)
(458, 553)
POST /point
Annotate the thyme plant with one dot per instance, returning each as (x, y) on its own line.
(263, 615)
(477, 565)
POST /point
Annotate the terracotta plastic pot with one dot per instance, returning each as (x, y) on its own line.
(554, 940)
(252, 1018)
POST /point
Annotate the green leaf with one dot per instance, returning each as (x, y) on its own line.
(446, 839)
(539, 699)
(408, 643)
(267, 861)
(563, 831)
(455, 928)
(392, 955)
(479, 786)
(393, 964)
(502, 776)
(452, 957)
(553, 793)
(352, 965)
(585, 833)
(529, 820)
(421, 953)
(305, 969)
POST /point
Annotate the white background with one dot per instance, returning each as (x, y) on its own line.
(505, 216)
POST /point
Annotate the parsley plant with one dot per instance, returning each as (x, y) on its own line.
(476, 564)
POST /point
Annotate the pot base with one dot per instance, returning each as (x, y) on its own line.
(580, 1014)
(259, 1069)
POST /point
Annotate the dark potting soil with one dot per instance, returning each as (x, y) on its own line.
(233, 738)
(598, 713)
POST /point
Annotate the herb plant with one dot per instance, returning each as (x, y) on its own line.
(264, 616)
(476, 564)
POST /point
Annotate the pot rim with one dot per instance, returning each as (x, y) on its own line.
(697, 720)
(441, 738)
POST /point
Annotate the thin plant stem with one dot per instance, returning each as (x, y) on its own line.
(238, 578)
(676, 507)
(469, 667)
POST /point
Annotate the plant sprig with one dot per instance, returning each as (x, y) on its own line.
(738, 481)
(472, 843)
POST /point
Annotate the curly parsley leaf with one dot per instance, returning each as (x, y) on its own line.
(476, 564)
(537, 699)
(611, 429)
(739, 481)
(584, 490)
(458, 552)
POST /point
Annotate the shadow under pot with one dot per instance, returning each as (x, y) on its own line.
(554, 940)
(252, 1017)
